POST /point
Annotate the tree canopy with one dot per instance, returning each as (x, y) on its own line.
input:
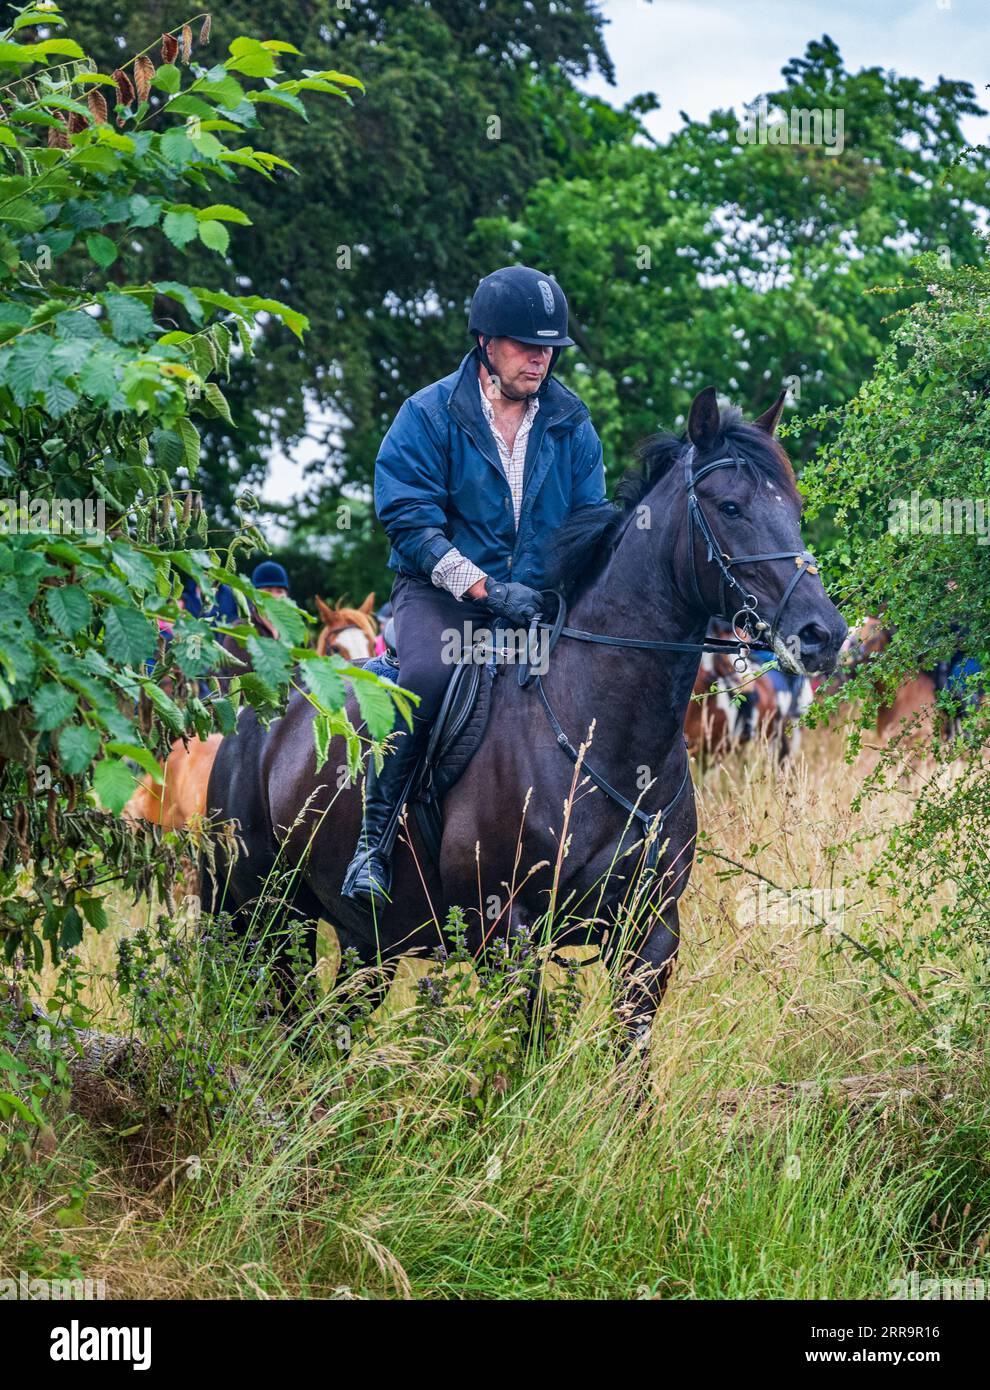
(702, 258)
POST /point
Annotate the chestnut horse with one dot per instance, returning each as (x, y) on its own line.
(350, 632)
(912, 708)
(175, 802)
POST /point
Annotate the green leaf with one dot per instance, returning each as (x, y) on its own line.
(69, 608)
(137, 569)
(22, 214)
(187, 105)
(27, 366)
(144, 213)
(114, 784)
(177, 148)
(167, 78)
(101, 248)
(376, 708)
(216, 398)
(165, 707)
(10, 1104)
(129, 318)
(226, 716)
(343, 78)
(258, 693)
(221, 338)
(72, 929)
(65, 48)
(52, 705)
(257, 64)
(168, 450)
(277, 98)
(322, 734)
(11, 1064)
(138, 754)
(283, 614)
(180, 227)
(59, 398)
(94, 911)
(324, 682)
(97, 158)
(215, 236)
(223, 212)
(130, 636)
(98, 375)
(184, 295)
(225, 90)
(270, 660)
(77, 747)
(102, 584)
(253, 304)
(190, 442)
(207, 145)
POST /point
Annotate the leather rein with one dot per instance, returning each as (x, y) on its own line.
(698, 524)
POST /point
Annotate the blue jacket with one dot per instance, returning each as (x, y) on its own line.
(439, 482)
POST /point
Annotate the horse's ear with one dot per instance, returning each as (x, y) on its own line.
(703, 420)
(326, 614)
(369, 604)
(770, 419)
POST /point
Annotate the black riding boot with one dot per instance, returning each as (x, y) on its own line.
(369, 875)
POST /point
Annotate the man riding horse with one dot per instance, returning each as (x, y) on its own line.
(474, 477)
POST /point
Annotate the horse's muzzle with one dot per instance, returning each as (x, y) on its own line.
(820, 646)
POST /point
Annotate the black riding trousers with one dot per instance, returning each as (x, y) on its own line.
(432, 630)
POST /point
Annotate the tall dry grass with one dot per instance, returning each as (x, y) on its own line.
(422, 1167)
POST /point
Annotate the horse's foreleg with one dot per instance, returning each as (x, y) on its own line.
(647, 976)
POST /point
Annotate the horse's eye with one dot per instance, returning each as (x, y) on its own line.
(729, 509)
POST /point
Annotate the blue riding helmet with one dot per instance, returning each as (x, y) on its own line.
(524, 304)
(270, 575)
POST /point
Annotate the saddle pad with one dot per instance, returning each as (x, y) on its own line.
(457, 746)
(459, 727)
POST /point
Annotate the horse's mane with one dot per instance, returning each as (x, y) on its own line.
(584, 543)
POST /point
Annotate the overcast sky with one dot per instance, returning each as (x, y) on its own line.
(700, 55)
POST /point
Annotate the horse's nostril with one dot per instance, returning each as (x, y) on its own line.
(813, 637)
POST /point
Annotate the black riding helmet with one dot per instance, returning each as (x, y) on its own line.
(522, 303)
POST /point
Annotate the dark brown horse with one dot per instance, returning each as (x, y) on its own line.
(528, 837)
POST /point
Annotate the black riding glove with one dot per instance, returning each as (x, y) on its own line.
(517, 603)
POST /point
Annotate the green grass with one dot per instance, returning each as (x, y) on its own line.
(461, 1164)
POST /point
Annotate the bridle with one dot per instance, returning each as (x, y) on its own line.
(698, 524)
